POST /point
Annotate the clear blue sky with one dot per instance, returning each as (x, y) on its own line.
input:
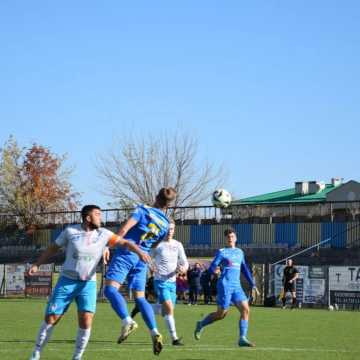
(271, 88)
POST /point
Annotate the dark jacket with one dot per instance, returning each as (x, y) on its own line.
(193, 276)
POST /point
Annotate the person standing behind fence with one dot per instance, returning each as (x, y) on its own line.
(84, 245)
(181, 287)
(205, 281)
(193, 276)
(290, 274)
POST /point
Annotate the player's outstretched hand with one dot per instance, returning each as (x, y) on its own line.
(256, 290)
(145, 257)
(181, 269)
(33, 270)
(106, 256)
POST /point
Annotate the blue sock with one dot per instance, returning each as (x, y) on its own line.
(207, 320)
(117, 301)
(147, 312)
(243, 327)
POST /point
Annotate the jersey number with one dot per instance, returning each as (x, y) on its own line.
(153, 231)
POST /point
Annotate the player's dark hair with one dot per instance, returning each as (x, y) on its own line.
(229, 231)
(87, 209)
(165, 196)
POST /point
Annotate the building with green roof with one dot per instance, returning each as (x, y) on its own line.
(305, 201)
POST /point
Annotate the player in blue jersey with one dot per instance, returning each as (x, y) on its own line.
(146, 227)
(231, 262)
(84, 245)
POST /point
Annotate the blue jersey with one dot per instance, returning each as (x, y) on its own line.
(152, 226)
(232, 263)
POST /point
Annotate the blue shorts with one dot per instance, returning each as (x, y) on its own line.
(229, 294)
(66, 290)
(128, 266)
(165, 290)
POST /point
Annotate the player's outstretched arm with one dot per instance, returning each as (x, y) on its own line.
(145, 257)
(182, 261)
(44, 257)
(132, 221)
(248, 275)
(106, 255)
(118, 240)
(250, 279)
(216, 262)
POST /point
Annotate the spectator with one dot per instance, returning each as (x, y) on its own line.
(205, 281)
(193, 276)
(181, 286)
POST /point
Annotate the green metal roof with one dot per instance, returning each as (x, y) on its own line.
(286, 196)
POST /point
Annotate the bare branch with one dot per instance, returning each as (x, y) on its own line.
(134, 171)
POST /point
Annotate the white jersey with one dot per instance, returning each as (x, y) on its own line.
(83, 250)
(167, 256)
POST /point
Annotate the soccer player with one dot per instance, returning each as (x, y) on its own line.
(84, 245)
(232, 263)
(146, 227)
(168, 259)
(290, 275)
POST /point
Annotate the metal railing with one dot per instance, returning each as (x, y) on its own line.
(262, 213)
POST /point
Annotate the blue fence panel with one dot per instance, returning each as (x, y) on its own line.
(286, 233)
(243, 233)
(200, 235)
(337, 232)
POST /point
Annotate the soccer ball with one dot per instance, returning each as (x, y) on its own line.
(331, 308)
(221, 198)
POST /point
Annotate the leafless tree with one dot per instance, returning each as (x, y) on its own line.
(134, 170)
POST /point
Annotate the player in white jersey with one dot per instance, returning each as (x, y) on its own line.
(84, 245)
(168, 259)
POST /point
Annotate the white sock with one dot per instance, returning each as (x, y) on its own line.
(170, 323)
(82, 339)
(157, 308)
(127, 320)
(154, 332)
(43, 336)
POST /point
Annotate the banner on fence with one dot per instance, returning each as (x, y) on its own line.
(39, 284)
(46, 267)
(344, 285)
(58, 268)
(15, 280)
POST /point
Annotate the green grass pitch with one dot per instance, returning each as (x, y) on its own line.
(278, 334)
